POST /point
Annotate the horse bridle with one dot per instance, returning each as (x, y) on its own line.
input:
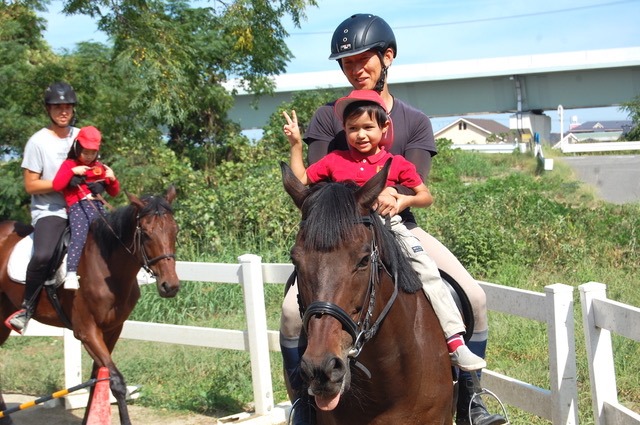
(364, 329)
(138, 245)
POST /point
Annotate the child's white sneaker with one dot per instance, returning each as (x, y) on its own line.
(466, 360)
(71, 281)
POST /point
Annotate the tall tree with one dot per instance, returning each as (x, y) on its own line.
(174, 58)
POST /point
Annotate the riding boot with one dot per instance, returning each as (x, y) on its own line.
(17, 322)
(479, 414)
(466, 390)
(302, 407)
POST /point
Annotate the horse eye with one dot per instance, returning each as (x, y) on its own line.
(364, 262)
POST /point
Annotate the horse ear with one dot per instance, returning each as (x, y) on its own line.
(170, 196)
(134, 199)
(293, 185)
(367, 195)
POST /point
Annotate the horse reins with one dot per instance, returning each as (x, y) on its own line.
(364, 329)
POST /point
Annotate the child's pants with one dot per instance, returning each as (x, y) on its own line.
(432, 284)
(81, 214)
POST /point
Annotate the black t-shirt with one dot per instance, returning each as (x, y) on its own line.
(412, 130)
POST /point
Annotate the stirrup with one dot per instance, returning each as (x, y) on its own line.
(9, 325)
(479, 391)
(299, 403)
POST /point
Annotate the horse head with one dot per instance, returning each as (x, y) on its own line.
(337, 264)
(155, 239)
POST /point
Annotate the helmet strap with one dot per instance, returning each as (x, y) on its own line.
(383, 74)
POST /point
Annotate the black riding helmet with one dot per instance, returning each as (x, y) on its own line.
(362, 32)
(61, 93)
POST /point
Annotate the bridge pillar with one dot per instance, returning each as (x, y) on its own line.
(530, 122)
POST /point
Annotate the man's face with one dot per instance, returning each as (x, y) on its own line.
(61, 114)
(363, 70)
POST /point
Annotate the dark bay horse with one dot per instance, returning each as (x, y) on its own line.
(376, 353)
(141, 234)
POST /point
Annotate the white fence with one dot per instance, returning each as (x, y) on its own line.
(599, 147)
(554, 307)
(600, 317)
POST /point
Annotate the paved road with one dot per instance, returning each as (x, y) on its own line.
(615, 177)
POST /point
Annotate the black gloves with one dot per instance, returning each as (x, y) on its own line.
(97, 188)
(76, 181)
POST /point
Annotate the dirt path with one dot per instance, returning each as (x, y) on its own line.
(53, 413)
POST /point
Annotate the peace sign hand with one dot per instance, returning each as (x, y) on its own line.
(291, 129)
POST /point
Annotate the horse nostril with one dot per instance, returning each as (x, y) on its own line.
(306, 370)
(335, 369)
(169, 290)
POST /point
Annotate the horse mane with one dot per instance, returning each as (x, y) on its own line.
(329, 215)
(117, 228)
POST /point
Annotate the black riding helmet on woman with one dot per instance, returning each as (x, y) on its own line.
(365, 46)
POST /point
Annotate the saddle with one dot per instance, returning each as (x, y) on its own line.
(21, 255)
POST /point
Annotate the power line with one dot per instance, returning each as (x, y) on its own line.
(496, 18)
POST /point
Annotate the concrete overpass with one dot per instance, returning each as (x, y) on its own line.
(523, 85)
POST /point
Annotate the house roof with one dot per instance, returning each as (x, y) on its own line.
(601, 126)
(601, 136)
(487, 126)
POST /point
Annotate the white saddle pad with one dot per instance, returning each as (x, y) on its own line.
(19, 259)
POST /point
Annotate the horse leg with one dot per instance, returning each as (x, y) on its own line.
(5, 306)
(118, 389)
(7, 419)
(102, 357)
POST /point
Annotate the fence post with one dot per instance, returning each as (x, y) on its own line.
(602, 374)
(562, 354)
(253, 289)
(72, 363)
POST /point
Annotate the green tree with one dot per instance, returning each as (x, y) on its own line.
(24, 57)
(175, 58)
(633, 110)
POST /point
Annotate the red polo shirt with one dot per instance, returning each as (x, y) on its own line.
(340, 166)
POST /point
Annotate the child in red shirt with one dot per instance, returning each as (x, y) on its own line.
(369, 130)
(81, 179)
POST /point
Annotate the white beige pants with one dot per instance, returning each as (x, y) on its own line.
(432, 285)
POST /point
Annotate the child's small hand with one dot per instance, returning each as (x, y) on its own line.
(80, 170)
(291, 129)
(387, 203)
(109, 174)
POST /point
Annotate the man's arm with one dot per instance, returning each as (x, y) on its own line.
(34, 185)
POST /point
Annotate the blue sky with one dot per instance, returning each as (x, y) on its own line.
(434, 31)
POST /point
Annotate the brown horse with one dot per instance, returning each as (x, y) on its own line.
(376, 353)
(141, 234)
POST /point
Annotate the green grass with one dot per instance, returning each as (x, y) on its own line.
(505, 223)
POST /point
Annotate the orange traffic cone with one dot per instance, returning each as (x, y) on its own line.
(100, 411)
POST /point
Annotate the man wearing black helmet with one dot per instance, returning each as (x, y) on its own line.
(364, 46)
(43, 154)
